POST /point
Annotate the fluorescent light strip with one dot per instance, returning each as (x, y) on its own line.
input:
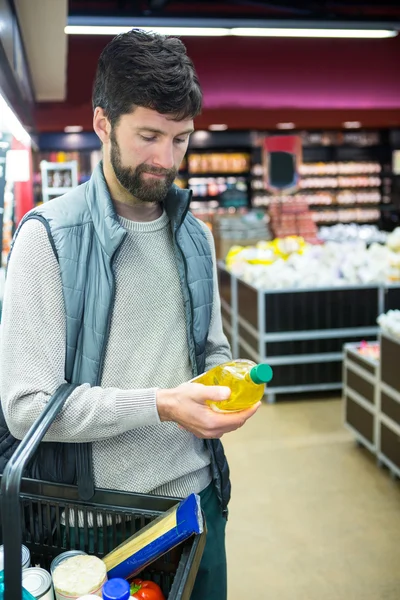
(73, 129)
(285, 125)
(116, 29)
(315, 33)
(218, 127)
(9, 123)
(352, 124)
(236, 31)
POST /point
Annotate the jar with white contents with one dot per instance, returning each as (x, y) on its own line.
(79, 576)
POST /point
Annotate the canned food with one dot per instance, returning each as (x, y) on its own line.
(64, 556)
(38, 582)
(25, 557)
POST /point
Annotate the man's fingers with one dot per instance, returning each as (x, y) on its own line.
(249, 412)
(209, 392)
(217, 393)
(203, 422)
(225, 422)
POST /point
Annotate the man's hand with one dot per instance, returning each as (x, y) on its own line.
(186, 405)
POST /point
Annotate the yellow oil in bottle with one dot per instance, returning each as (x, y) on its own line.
(245, 379)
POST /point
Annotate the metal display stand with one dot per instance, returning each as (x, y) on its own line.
(361, 396)
(61, 171)
(300, 332)
(371, 394)
(388, 425)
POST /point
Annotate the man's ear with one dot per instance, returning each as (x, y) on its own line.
(101, 125)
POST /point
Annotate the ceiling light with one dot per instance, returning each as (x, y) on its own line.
(116, 29)
(9, 123)
(201, 135)
(218, 127)
(73, 129)
(229, 29)
(352, 124)
(285, 125)
(312, 33)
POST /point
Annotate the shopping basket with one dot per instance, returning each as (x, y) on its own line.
(51, 518)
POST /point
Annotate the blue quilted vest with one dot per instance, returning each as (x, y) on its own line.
(86, 235)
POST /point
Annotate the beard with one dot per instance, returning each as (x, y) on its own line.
(131, 178)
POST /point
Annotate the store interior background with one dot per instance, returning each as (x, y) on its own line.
(315, 510)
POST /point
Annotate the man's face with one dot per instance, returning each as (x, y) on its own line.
(146, 150)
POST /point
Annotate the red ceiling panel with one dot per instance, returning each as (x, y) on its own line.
(254, 83)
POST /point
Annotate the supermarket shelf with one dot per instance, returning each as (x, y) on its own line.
(359, 205)
(303, 360)
(271, 392)
(371, 395)
(388, 207)
(288, 336)
(341, 220)
(306, 354)
(339, 187)
(56, 190)
(244, 174)
(205, 198)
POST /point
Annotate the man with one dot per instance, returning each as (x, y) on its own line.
(113, 287)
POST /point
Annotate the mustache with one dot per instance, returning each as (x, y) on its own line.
(155, 170)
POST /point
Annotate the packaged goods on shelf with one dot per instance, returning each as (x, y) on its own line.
(352, 232)
(340, 168)
(227, 162)
(323, 197)
(358, 197)
(239, 228)
(319, 198)
(181, 182)
(357, 186)
(359, 181)
(242, 226)
(348, 215)
(292, 217)
(331, 264)
(214, 186)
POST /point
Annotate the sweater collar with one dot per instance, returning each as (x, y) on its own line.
(105, 219)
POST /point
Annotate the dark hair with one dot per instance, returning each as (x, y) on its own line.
(146, 69)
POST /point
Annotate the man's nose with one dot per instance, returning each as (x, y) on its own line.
(164, 157)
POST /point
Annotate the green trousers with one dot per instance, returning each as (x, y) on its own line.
(211, 580)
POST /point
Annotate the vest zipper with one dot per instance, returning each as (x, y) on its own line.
(90, 481)
(193, 358)
(209, 443)
(109, 317)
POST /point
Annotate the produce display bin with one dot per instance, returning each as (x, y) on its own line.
(361, 396)
(371, 394)
(50, 519)
(300, 332)
(389, 413)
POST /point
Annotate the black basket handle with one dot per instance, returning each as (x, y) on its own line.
(11, 486)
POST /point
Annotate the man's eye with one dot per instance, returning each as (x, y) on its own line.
(148, 139)
(179, 141)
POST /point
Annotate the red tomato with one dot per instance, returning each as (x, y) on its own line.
(146, 590)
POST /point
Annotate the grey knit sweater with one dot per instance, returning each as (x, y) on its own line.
(147, 349)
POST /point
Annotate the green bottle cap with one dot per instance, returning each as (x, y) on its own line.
(261, 374)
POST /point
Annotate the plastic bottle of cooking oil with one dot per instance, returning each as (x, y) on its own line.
(245, 379)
